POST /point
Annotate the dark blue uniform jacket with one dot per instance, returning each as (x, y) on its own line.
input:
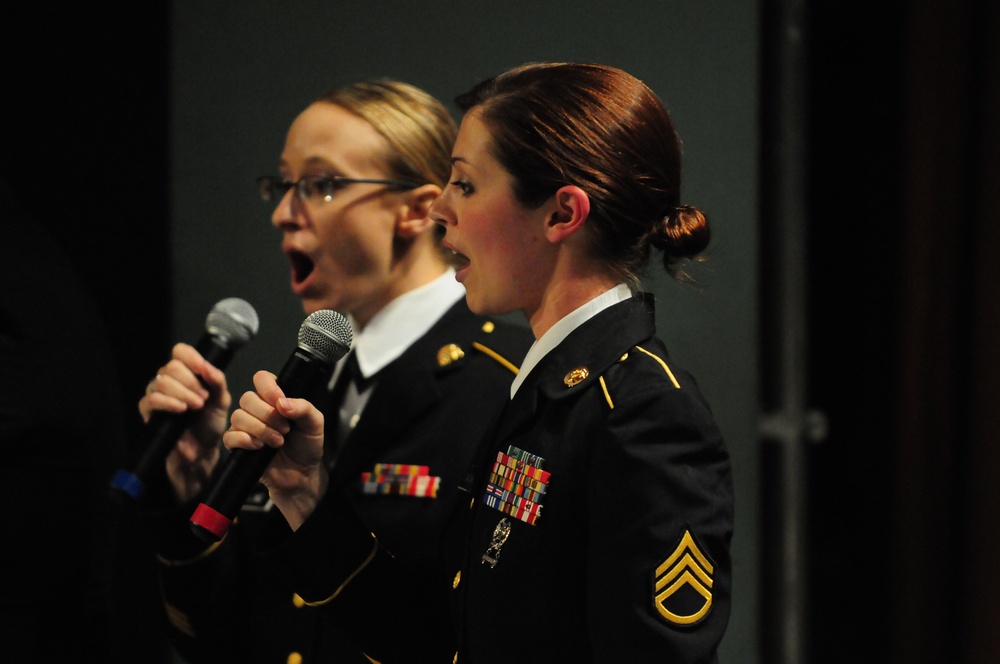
(398, 472)
(593, 526)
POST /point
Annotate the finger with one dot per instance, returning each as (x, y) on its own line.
(161, 394)
(253, 406)
(235, 439)
(247, 431)
(209, 375)
(308, 419)
(178, 379)
(266, 384)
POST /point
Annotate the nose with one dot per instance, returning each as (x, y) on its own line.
(441, 211)
(287, 212)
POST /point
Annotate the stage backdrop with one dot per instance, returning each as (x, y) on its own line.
(241, 71)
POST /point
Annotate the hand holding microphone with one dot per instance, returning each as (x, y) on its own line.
(324, 338)
(231, 324)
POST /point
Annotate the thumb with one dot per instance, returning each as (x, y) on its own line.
(308, 419)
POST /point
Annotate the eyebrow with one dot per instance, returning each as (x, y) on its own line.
(316, 160)
(455, 160)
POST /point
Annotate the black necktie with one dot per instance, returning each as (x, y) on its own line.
(350, 384)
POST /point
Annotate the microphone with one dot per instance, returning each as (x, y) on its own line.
(324, 338)
(230, 325)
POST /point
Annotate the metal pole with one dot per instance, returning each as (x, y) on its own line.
(786, 422)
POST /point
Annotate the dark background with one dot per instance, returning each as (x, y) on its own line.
(903, 316)
(84, 131)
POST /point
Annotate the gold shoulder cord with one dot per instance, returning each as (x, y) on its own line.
(607, 395)
(666, 369)
(496, 356)
(662, 364)
(190, 561)
(371, 556)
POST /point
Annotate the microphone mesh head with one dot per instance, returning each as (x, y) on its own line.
(234, 320)
(327, 333)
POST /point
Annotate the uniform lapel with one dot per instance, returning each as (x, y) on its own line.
(579, 360)
(402, 391)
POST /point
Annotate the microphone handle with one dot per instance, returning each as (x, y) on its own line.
(164, 429)
(302, 374)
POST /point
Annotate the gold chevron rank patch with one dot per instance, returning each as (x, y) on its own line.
(682, 584)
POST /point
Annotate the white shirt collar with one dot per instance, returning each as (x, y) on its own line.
(555, 334)
(404, 320)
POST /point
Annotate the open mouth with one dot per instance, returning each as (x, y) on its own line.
(302, 266)
(459, 260)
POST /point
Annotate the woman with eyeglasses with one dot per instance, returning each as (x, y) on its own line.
(359, 171)
(599, 507)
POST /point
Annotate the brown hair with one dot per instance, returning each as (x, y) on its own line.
(605, 131)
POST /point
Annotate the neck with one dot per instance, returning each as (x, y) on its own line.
(563, 298)
(409, 272)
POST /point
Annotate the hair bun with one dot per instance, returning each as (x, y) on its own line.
(682, 233)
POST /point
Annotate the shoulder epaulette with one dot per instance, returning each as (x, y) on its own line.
(493, 342)
(662, 363)
(646, 353)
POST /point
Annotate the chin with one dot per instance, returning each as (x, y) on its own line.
(476, 305)
(310, 306)
(483, 307)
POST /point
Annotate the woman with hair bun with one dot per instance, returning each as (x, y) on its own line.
(603, 500)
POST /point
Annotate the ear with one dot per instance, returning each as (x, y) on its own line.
(414, 215)
(571, 209)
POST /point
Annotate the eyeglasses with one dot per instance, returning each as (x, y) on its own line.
(273, 187)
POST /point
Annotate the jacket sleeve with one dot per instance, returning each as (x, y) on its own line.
(336, 564)
(198, 586)
(659, 570)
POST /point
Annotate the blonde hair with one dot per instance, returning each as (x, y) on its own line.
(420, 130)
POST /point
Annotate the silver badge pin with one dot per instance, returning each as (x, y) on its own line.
(500, 534)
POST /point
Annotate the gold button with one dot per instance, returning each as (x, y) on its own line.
(457, 580)
(487, 328)
(294, 658)
(576, 376)
(449, 354)
(297, 601)
(623, 357)
(472, 503)
(454, 659)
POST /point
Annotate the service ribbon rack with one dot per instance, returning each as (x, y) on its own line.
(400, 479)
(517, 484)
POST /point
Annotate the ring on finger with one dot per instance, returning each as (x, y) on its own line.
(150, 384)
